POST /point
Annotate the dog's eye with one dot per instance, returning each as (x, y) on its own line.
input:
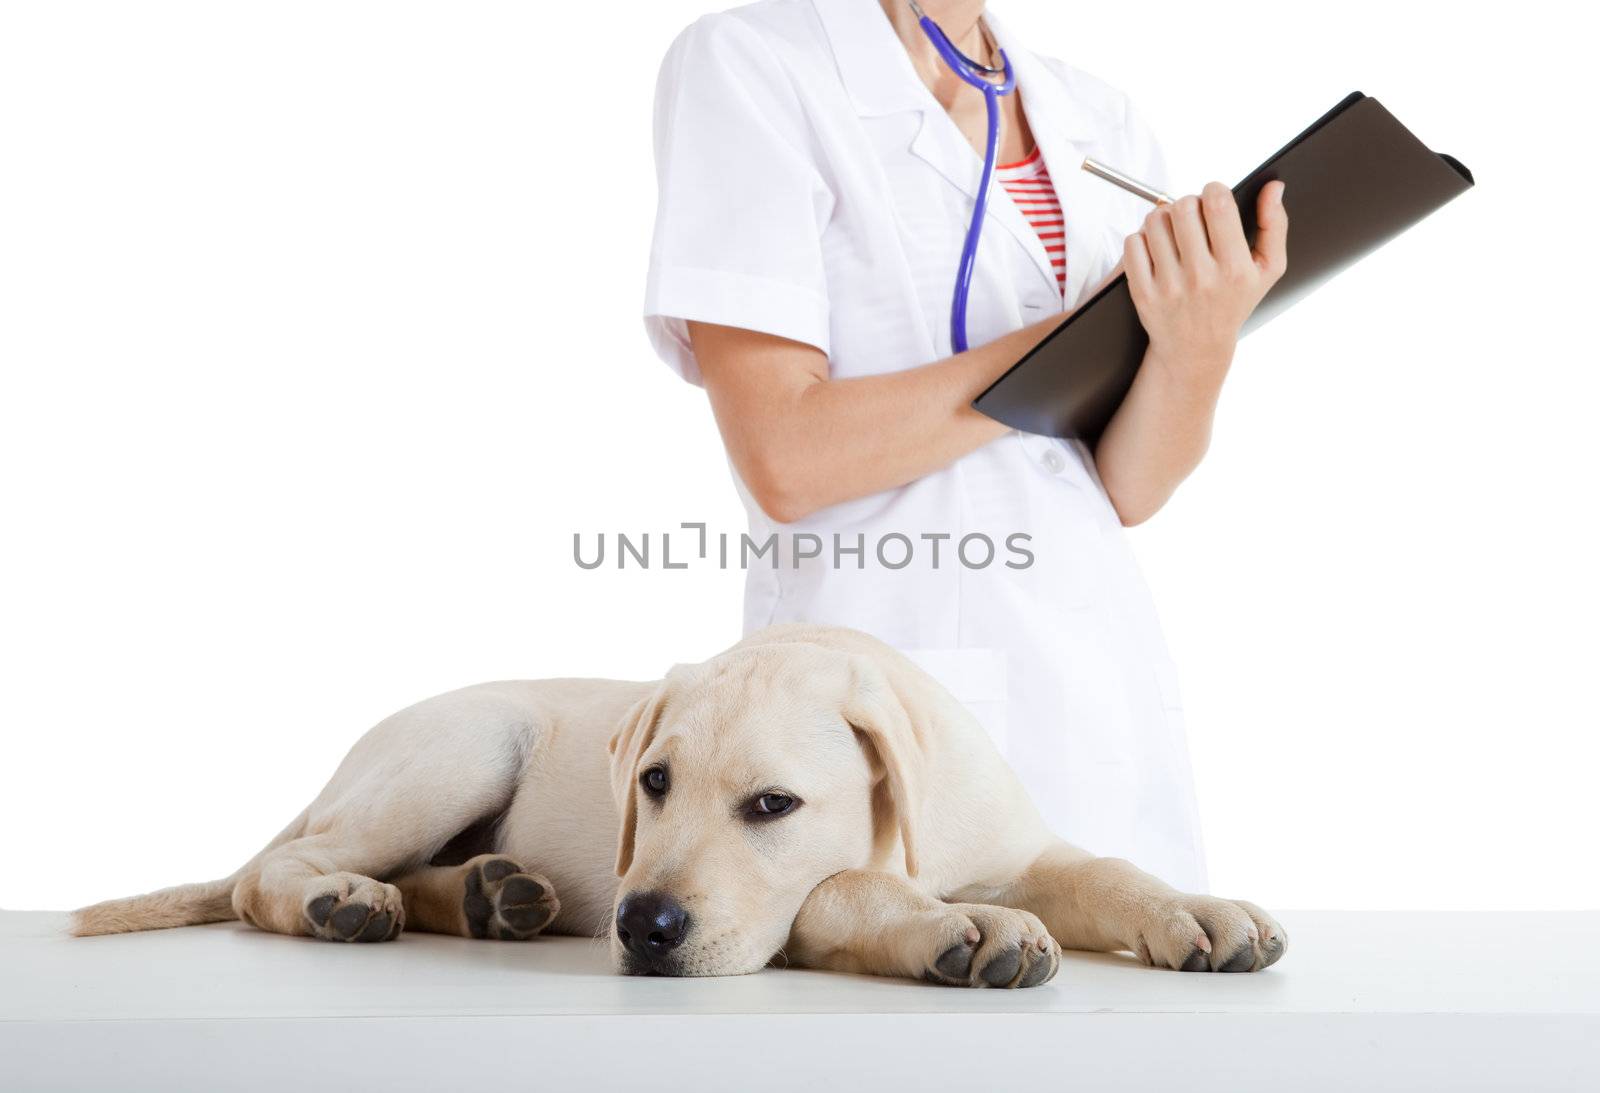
(654, 781)
(772, 804)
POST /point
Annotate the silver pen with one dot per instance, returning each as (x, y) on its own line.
(1132, 185)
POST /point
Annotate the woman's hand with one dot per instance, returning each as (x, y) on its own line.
(1195, 280)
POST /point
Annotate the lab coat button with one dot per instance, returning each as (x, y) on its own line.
(1053, 461)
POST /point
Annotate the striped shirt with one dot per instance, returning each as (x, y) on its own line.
(1028, 183)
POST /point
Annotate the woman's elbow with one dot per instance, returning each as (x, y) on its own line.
(782, 506)
(785, 493)
(1133, 507)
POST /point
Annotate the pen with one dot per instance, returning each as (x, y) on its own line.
(1132, 185)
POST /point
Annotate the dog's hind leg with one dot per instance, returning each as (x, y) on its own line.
(491, 896)
(320, 885)
(405, 790)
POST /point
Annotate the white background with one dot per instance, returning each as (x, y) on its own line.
(319, 335)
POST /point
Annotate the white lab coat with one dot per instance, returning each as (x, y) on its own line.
(811, 187)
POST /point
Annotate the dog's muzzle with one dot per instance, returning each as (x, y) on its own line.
(651, 926)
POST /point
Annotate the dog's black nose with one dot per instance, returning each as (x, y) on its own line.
(650, 924)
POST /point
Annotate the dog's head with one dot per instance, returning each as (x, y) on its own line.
(742, 784)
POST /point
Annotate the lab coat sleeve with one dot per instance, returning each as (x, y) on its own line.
(741, 201)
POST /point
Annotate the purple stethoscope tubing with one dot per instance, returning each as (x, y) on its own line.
(976, 75)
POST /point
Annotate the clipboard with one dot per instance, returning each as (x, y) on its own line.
(1355, 179)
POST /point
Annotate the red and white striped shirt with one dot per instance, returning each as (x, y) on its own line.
(1028, 183)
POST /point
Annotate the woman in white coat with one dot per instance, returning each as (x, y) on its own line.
(817, 164)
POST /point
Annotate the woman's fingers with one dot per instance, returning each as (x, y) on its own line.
(1225, 229)
(1136, 262)
(1194, 278)
(1162, 247)
(1272, 240)
(1189, 229)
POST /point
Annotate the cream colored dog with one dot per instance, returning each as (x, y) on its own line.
(809, 795)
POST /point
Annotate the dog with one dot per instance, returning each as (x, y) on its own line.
(809, 797)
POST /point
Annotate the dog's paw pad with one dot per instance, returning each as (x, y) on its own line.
(320, 909)
(1040, 971)
(1242, 960)
(994, 947)
(356, 909)
(956, 961)
(1273, 948)
(1207, 934)
(1000, 971)
(499, 869)
(505, 902)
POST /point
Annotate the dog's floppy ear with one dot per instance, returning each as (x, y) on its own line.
(875, 710)
(633, 736)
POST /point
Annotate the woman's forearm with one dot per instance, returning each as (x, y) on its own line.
(802, 441)
(1194, 280)
(1159, 434)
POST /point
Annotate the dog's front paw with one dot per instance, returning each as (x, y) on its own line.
(1207, 934)
(979, 945)
(350, 907)
(503, 900)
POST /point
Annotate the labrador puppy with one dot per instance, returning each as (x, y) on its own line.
(810, 795)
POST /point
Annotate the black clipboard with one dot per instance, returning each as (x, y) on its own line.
(1355, 179)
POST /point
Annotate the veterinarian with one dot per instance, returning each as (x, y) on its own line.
(818, 165)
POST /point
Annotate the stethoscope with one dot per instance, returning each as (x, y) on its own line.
(980, 76)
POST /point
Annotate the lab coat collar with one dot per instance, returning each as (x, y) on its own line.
(879, 78)
(874, 66)
(1065, 132)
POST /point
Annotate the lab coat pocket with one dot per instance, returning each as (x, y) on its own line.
(977, 679)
